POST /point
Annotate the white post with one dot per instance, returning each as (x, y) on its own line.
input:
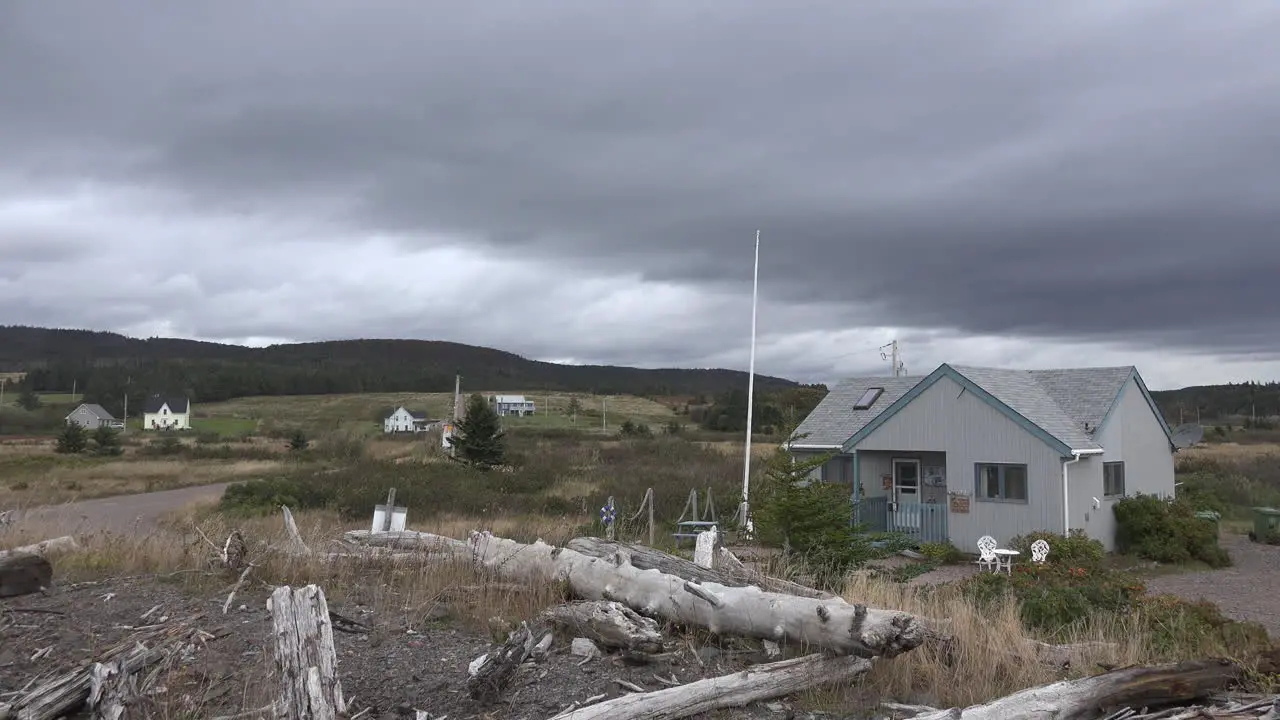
(745, 518)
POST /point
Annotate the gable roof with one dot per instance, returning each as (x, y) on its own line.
(834, 420)
(505, 399)
(415, 414)
(176, 403)
(1063, 407)
(93, 409)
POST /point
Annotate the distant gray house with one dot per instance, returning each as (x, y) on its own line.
(92, 416)
(969, 451)
(512, 405)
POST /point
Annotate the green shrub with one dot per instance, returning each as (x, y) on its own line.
(1055, 598)
(1173, 624)
(1076, 549)
(1166, 531)
(942, 553)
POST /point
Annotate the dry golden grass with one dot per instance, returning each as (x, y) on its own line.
(1228, 451)
(327, 411)
(734, 449)
(67, 479)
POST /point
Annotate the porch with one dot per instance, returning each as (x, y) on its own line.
(902, 492)
(925, 522)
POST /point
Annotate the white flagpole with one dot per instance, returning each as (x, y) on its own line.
(745, 517)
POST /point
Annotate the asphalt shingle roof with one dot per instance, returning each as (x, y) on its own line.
(1068, 403)
(834, 420)
(155, 402)
(97, 411)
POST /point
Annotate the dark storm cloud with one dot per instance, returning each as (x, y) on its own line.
(1086, 169)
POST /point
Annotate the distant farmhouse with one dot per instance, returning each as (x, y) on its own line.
(92, 416)
(512, 405)
(405, 420)
(166, 413)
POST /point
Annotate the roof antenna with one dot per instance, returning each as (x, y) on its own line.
(895, 358)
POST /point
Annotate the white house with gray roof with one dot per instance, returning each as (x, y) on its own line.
(970, 451)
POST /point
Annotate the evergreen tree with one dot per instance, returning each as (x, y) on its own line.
(107, 441)
(72, 440)
(809, 519)
(28, 400)
(479, 439)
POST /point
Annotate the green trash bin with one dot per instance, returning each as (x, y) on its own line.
(1266, 522)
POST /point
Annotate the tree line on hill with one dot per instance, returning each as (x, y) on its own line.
(1210, 404)
(107, 366)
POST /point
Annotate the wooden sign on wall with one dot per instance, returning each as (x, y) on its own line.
(959, 504)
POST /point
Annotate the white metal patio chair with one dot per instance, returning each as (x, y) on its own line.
(987, 553)
(1039, 552)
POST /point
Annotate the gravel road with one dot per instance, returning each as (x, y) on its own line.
(1249, 590)
(121, 513)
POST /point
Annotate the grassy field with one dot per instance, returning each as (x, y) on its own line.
(50, 398)
(364, 411)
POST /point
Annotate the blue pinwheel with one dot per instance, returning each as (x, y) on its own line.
(607, 514)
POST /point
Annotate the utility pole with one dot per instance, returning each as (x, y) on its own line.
(73, 390)
(894, 356)
(3, 382)
(604, 416)
(457, 395)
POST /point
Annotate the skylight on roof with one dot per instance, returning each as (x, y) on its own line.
(868, 398)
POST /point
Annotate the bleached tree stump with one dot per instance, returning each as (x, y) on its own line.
(609, 624)
(495, 673)
(305, 657)
(761, 682)
(704, 551)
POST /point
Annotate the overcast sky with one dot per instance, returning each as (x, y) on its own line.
(998, 183)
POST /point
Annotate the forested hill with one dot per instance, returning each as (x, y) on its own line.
(1216, 402)
(100, 363)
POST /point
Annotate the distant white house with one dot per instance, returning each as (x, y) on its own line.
(512, 405)
(92, 416)
(404, 420)
(166, 413)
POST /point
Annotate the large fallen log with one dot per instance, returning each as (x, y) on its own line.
(728, 571)
(44, 547)
(1095, 697)
(760, 682)
(748, 611)
(305, 657)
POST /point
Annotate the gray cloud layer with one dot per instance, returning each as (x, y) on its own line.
(1090, 169)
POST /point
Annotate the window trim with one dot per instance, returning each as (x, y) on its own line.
(1123, 489)
(977, 483)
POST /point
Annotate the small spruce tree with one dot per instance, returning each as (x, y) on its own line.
(73, 440)
(106, 441)
(809, 519)
(29, 400)
(479, 439)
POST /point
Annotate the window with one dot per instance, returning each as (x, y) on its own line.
(1000, 482)
(868, 398)
(1113, 479)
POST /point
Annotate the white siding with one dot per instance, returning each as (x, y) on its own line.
(946, 418)
(399, 421)
(1132, 434)
(166, 418)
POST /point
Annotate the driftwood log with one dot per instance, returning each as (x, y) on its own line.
(305, 657)
(63, 694)
(608, 624)
(761, 682)
(837, 626)
(728, 569)
(498, 669)
(23, 574)
(44, 547)
(1095, 697)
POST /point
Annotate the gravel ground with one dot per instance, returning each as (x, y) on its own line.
(1249, 590)
(393, 668)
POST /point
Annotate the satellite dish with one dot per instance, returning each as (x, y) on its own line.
(1184, 436)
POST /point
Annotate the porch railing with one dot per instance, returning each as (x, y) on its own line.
(928, 521)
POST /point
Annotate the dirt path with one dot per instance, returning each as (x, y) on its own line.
(1249, 590)
(120, 513)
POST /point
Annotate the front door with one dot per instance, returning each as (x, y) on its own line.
(906, 494)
